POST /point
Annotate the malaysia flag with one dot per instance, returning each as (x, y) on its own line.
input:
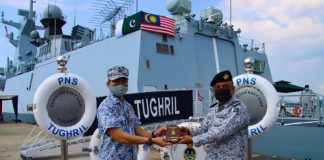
(158, 24)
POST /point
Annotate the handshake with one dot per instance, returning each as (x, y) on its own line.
(173, 135)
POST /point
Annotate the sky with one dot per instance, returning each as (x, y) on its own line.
(292, 30)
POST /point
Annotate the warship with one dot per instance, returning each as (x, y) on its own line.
(177, 53)
(186, 58)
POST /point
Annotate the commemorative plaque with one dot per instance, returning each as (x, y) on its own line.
(173, 133)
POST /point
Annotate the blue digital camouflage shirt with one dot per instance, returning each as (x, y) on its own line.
(112, 113)
(224, 131)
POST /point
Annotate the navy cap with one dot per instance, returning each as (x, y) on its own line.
(117, 72)
(223, 76)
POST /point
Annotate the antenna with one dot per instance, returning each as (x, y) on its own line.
(107, 12)
(55, 49)
(230, 12)
(74, 14)
(31, 12)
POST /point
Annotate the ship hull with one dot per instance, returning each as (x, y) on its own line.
(299, 142)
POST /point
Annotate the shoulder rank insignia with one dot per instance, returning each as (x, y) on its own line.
(236, 110)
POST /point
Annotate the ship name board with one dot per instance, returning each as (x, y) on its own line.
(151, 107)
(161, 106)
(157, 107)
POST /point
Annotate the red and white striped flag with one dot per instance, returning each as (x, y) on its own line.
(158, 24)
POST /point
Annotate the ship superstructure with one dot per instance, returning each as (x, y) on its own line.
(156, 61)
(202, 46)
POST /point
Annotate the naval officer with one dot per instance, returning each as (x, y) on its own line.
(224, 131)
(119, 127)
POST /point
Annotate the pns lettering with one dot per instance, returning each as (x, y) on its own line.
(67, 80)
(246, 80)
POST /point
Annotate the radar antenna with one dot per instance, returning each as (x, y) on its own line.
(107, 12)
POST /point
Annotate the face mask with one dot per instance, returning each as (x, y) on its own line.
(119, 90)
(223, 95)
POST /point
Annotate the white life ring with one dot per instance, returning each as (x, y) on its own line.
(94, 145)
(257, 85)
(149, 153)
(183, 151)
(64, 105)
(152, 153)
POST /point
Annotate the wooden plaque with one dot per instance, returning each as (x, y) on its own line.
(173, 133)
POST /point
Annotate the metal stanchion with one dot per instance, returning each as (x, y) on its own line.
(248, 150)
(64, 150)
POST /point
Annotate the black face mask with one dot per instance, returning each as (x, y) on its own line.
(223, 95)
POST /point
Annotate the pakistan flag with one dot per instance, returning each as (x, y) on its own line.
(129, 24)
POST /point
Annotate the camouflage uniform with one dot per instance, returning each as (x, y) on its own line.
(113, 113)
(224, 131)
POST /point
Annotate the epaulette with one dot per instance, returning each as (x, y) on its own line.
(213, 105)
(235, 103)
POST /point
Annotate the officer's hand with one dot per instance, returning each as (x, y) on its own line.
(162, 142)
(185, 140)
(160, 132)
(184, 131)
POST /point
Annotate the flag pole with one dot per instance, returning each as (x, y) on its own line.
(136, 6)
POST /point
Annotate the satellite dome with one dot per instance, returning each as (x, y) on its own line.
(212, 14)
(179, 6)
(52, 12)
(34, 34)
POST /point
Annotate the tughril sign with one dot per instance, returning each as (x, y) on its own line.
(161, 106)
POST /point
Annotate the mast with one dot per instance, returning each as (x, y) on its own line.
(230, 12)
(136, 6)
(31, 16)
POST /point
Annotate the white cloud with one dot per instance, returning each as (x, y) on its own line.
(293, 33)
(304, 71)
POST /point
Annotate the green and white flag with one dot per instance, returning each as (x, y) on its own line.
(129, 24)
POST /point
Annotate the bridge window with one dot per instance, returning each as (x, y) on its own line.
(162, 48)
(259, 66)
(164, 38)
(148, 64)
(171, 49)
(67, 46)
(166, 87)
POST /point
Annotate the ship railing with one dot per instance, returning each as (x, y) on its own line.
(252, 45)
(303, 107)
(38, 141)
